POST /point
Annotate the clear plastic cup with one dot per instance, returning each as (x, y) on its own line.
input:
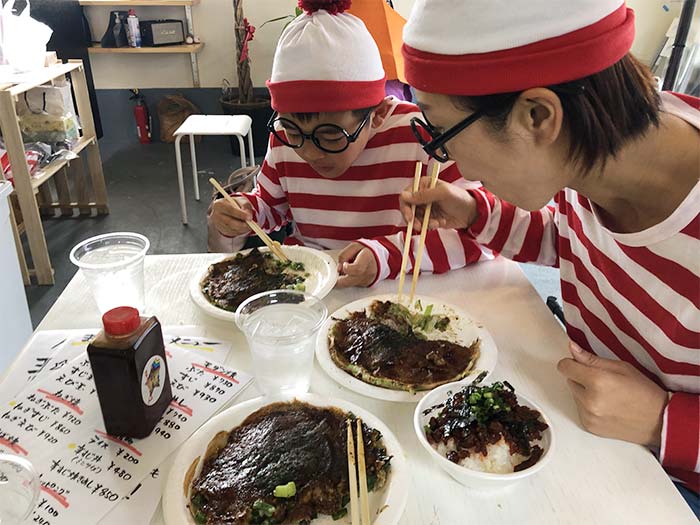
(281, 328)
(19, 489)
(113, 268)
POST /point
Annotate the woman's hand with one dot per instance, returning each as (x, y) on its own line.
(356, 266)
(614, 399)
(453, 207)
(230, 221)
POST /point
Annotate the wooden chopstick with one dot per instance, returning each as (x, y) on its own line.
(423, 232)
(409, 232)
(352, 477)
(362, 474)
(359, 506)
(274, 246)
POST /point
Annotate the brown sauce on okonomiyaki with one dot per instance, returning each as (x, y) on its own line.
(275, 445)
(389, 349)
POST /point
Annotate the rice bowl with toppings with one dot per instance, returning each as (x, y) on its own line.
(483, 435)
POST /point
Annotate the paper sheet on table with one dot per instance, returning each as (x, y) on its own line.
(139, 506)
(64, 345)
(86, 472)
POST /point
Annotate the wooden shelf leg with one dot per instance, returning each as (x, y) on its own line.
(20, 250)
(92, 152)
(45, 201)
(63, 191)
(23, 188)
(76, 171)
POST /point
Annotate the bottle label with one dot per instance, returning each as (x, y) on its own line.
(153, 380)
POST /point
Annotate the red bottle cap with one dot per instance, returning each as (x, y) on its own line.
(121, 320)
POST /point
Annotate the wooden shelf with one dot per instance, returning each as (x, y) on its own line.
(54, 167)
(136, 3)
(41, 76)
(191, 50)
(182, 48)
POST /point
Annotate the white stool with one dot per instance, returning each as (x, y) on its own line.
(238, 125)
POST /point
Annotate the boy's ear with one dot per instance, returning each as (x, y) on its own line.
(381, 112)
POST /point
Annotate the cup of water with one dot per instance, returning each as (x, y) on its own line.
(281, 328)
(19, 489)
(112, 265)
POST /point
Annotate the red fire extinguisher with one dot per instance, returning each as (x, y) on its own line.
(142, 116)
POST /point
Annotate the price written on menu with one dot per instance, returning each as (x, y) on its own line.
(49, 350)
(56, 423)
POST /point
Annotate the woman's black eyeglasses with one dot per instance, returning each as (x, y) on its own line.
(433, 142)
(326, 137)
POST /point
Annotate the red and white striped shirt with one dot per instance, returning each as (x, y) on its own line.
(632, 296)
(363, 203)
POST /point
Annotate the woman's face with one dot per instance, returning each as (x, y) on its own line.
(524, 163)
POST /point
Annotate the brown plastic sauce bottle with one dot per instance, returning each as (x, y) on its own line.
(130, 372)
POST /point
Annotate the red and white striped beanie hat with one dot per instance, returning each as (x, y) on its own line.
(326, 61)
(481, 47)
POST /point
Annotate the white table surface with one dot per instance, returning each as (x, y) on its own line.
(590, 480)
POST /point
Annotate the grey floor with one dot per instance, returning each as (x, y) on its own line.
(143, 197)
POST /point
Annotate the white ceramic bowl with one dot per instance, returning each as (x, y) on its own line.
(386, 505)
(465, 331)
(322, 268)
(473, 478)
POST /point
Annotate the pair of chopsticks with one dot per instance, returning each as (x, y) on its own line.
(423, 232)
(273, 245)
(359, 506)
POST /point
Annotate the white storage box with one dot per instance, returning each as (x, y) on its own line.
(16, 326)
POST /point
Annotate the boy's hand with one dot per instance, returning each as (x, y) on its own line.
(613, 398)
(356, 266)
(453, 207)
(228, 220)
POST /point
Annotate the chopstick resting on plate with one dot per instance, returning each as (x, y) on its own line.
(409, 232)
(359, 506)
(423, 232)
(273, 245)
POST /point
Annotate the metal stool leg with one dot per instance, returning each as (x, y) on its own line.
(240, 145)
(251, 150)
(194, 168)
(180, 182)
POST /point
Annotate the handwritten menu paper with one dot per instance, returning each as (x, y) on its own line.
(56, 423)
(51, 349)
(139, 505)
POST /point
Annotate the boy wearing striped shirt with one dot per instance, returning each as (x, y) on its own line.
(340, 153)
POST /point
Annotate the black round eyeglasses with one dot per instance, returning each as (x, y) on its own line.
(326, 137)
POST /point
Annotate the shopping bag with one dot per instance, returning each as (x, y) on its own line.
(22, 39)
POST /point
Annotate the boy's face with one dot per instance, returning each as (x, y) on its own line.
(333, 165)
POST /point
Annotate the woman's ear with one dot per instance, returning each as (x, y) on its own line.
(538, 114)
(381, 112)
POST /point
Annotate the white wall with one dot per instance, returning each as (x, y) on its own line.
(652, 22)
(213, 21)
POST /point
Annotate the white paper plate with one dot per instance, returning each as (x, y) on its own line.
(391, 499)
(465, 332)
(322, 268)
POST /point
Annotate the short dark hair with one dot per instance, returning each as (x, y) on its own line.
(602, 112)
(359, 113)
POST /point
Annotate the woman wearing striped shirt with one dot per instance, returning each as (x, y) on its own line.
(540, 108)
